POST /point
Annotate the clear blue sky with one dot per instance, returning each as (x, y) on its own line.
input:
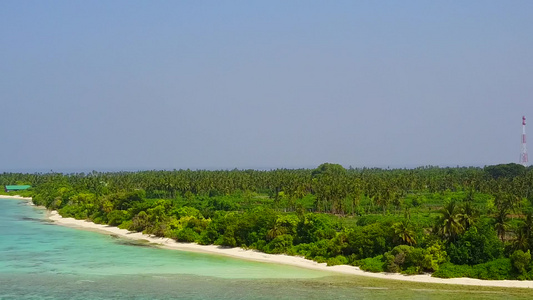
(126, 85)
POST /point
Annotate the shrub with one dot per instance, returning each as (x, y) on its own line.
(139, 222)
(337, 260)
(415, 260)
(186, 235)
(408, 260)
(435, 256)
(476, 246)
(280, 244)
(368, 241)
(303, 250)
(319, 248)
(390, 264)
(260, 245)
(229, 241)
(498, 269)
(73, 211)
(528, 275)
(98, 220)
(186, 211)
(412, 270)
(449, 270)
(116, 217)
(125, 225)
(320, 259)
(208, 236)
(371, 264)
(520, 261)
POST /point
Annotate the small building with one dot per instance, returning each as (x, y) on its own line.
(13, 188)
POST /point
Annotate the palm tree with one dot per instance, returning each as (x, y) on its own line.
(523, 238)
(449, 224)
(404, 231)
(276, 231)
(520, 240)
(468, 215)
(501, 224)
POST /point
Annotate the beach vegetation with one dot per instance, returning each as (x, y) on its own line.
(451, 222)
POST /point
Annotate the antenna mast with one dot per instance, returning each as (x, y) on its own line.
(523, 150)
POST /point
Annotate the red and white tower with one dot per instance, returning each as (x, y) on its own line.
(523, 150)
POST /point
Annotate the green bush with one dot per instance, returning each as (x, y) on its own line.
(280, 244)
(73, 211)
(98, 220)
(369, 241)
(260, 245)
(116, 217)
(186, 235)
(520, 261)
(125, 225)
(409, 260)
(186, 211)
(318, 249)
(320, 259)
(371, 264)
(435, 256)
(412, 270)
(337, 260)
(139, 222)
(450, 270)
(303, 250)
(528, 275)
(477, 245)
(415, 260)
(498, 269)
(208, 236)
(390, 265)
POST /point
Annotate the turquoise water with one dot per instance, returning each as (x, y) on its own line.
(40, 260)
(32, 245)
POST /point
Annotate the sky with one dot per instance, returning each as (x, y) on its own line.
(135, 85)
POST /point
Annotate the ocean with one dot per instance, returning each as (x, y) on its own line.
(41, 260)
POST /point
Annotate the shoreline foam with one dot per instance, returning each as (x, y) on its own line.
(253, 255)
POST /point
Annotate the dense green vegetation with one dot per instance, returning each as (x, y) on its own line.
(453, 222)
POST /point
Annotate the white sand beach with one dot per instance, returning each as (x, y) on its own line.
(16, 197)
(270, 258)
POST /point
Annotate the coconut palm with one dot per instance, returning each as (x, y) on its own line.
(520, 240)
(449, 224)
(404, 231)
(468, 215)
(523, 238)
(501, 223)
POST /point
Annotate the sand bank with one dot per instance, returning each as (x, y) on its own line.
(280, 259)
(15, 197)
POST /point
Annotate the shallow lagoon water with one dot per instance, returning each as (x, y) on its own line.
(40, 260)
(31, 245)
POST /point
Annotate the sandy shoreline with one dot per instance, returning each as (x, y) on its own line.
(270, 258)
(276, 258)
(15, 197)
